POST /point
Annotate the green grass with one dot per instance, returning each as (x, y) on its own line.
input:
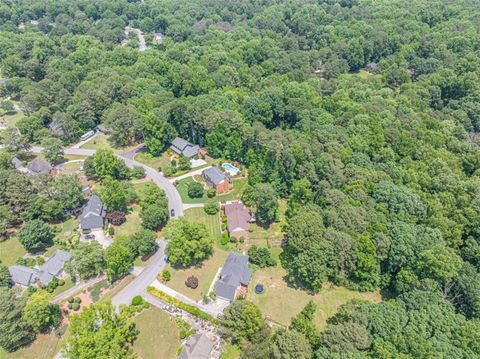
(11, 119)
(271, 235)
(44, 347)
(235, 192)
(69, 283)
(231, 352)
(205, 273)
(132, 223)
(10, 251)
(158, 337)
(154, 162)
(280, 302)
(97, 143)
(212, 222)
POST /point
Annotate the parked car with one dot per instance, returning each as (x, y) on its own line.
(89, 236)
(172, 213)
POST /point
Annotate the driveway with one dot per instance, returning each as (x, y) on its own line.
(144, 279)
(189, 174)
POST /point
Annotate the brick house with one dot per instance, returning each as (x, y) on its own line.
(217, 179)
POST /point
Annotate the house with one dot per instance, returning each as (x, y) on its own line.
(238, 219)
(234, 278)
(93, 215)
(198, 346)
(216, 179)
(43, 275)
(37, 166)
(185, 148)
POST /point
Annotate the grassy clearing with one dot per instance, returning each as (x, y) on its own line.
(281, 302)
(97, 143)
(212, 222)
(158, 337)
(10, 119)
(235, 193)
(231, 352)
(44, 347)
(132, 224)
(152, 161)
(66, 229)
(10, 251)
(204, 272)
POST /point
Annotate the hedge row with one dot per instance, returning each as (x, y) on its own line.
(181, 305)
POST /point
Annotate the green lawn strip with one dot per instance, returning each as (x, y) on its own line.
(179, 304)
(205, 272)
(158, 334)
(69, 283)
(235, 193)
(212, 222)
(45, 346)
(231, 352)
(97, 143)
(10, 251)
(293, 300)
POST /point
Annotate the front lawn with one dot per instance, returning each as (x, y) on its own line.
(212, 222)
(234, 193)
(205, 274)
(10, 251)
(158, 337)
(97, 143)
(132, 223)
(69, 283)
(44, 347)
(154, 162)
(281, 302)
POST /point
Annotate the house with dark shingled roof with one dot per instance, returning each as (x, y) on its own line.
(234, 278)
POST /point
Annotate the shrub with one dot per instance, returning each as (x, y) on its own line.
(241, 240)
(169, 171)
(261, 257)
(111, 231)
(211, 208)
(233, 239)
(211, 192)
(77, 300)
(195, 190)
(52, 285)
(75, 306)
(61, 282)
(137, 172)
(173, 163)
(137, 300)
(70, 300)
(116, 218)
(225, 239)
(166, 276)
(192, 282)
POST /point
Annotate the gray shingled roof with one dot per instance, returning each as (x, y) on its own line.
(93, 214)
(214, 175)
(183, 147)
(23, 275)
(54, 265)
(238, 216)
(38, 165)
(198, 346)
(234, 273)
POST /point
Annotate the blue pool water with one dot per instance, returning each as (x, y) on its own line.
(230, 167)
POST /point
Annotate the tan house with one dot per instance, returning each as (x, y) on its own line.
(238, 219)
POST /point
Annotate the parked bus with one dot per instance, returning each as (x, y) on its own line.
(87, 135)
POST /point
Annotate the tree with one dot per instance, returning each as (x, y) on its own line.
(145, 242)
(300, 196)
(118, 261)
(195, 190)
(211, 208)
(114, 195)
(192, 282)
(4, 276)
(290, 344)
(105, 165)
(242, 320)
(99, 332)
(14, 142)
(6, 161)
(261, 257)
(304, 323)
(52, 150)
(35, 235)
(265, 203)
(88, 260)
(14, 330)
(184, 163)
(154, 216)
(39, 313)
(116, 217)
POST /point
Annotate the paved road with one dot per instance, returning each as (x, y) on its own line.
(77, 288)
(144, 279)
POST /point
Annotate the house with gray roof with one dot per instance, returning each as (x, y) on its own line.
(234, 278)
(198, 346)
(217, 179)
(43, 274)
(37, 166)
(182, 147)
(93, 215)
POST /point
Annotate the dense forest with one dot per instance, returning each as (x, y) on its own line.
(362, 114)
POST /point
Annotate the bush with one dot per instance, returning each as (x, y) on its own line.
(70, 300)
(111, 231)
(241, 240)
(137, 300)
(211, 192)
(195, 190)
(173, 163)
(225, 239)
(75, 306)
(116, 218)
(137, 172)
(184, 163)
(261, 257)
(61, 282)
(77, 300)
(166, 276)
(169, 171)
(211, 208)
(192, 282)
(52, 285)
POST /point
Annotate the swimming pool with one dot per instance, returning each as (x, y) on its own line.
(230, 169)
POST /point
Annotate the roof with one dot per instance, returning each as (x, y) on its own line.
(17, 163)
(183, 147)
(198, 346)
(93, 214)
(234, 273)
(38, 165)
(214, 175)
(238, 216)
(54, 265)
(23, 275)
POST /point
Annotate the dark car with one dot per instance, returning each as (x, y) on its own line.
(172, 213)
(89, 236)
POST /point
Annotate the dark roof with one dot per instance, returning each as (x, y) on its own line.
(23, 275)
(183, 147)
(54, 265)
(214, 175)
(198, 346)
(38, 165)
(238, 216)
(93, 214)
(234, 273)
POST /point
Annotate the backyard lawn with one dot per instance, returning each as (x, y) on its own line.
(235, 193)
(211, 221)
(158, 337)
(280, 302)
(132, 224)
(10, 251)
(205, 274)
